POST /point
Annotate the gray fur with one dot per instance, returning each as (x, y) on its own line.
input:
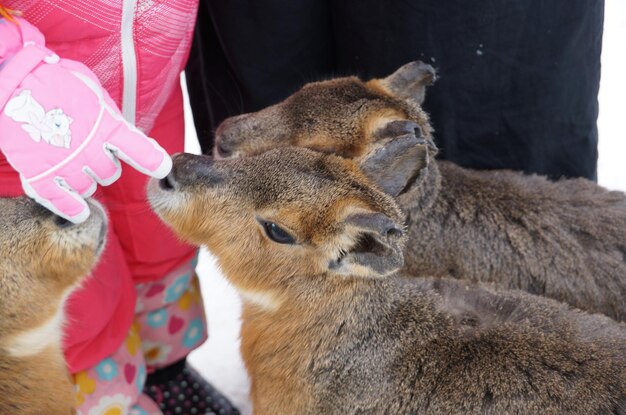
(564, 240)
(423, 346)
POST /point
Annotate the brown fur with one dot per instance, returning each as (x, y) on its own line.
(318, 338)
(565, 240)
(41, 263)
(336, 116)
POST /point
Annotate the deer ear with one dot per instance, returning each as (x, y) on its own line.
(410, 81)
(403, 152)
(376, 249)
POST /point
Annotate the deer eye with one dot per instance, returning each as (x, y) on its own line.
(277, 234)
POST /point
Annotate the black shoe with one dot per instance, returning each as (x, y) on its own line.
(179, 389)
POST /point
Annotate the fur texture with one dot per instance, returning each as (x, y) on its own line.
(330, 328)
(43, 259)
(565, 240)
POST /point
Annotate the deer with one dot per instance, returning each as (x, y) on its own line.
(43, 259)
(562, 239)
(330, 325)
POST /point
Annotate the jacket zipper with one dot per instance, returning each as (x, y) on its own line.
(129, 62)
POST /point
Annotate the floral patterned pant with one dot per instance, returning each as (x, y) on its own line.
(169, 323)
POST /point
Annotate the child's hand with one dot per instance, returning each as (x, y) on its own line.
(60, 129)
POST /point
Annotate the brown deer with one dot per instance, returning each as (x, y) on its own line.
(329, 327)
(565, 240)
(43, 258)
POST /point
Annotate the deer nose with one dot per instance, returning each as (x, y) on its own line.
(61, 222)
(168, 182)
(223, 150)
(43, 213)
(190, 169)
(230, 132)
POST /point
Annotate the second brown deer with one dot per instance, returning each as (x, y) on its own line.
(565, 240)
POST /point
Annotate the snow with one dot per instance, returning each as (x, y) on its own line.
(612, 98)
(219, 360)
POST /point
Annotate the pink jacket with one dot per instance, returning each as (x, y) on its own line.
(137, 49)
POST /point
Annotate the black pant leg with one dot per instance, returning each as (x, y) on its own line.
(518, 78)
(248, 54)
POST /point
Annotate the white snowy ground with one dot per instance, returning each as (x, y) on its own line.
(219, 360)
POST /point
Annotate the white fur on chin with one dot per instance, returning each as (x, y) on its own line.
(34, 341)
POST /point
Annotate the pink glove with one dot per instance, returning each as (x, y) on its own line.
(60, 129)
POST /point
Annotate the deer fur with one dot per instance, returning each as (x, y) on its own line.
(329, 326)
(565, 240)
(43, 259)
